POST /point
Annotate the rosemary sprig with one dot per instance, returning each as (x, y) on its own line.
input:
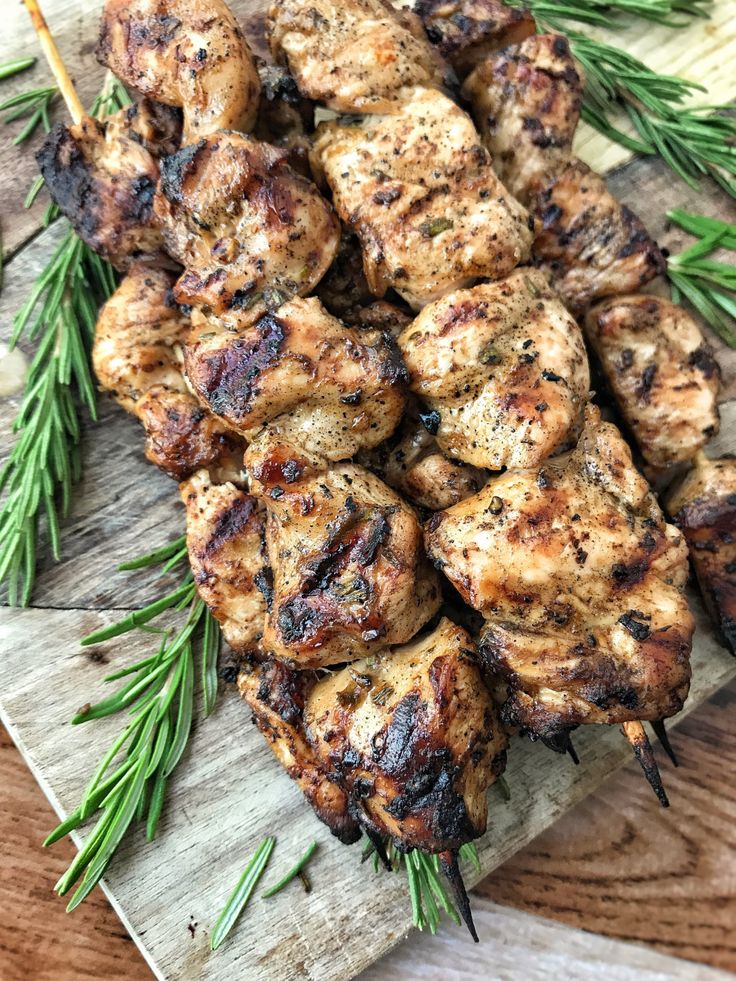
(243, 891)
(708, 284)
(427, 891)
(131, 778)
(35, 105)
(693, 141)
(59, 316)
(294, 871)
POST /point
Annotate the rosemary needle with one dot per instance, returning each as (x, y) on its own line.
(9, 68)
(243, 891)
(293, 872)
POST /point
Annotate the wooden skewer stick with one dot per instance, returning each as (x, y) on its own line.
(55, 63)
(451, 870)
(661, 733)
(637, 737)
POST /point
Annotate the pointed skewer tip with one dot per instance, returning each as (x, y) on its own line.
(639, 742)
(451, 870)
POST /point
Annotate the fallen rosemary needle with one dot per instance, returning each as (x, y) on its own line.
(293, 872)
(243, 891)
(131, 778)
(13, 67)
(708, 284)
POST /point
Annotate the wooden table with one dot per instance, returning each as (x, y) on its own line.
(617, 865)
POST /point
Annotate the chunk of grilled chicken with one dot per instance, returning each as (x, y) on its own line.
(135, 357)
(581, 581)
(467, 31)
(412, 463)
(526, 103)
(592, 245)
(412, 736)
(503, 369)
(352, 55)
(703, 506)
(185, 53)
(661, 372)
(277, 695)
(226, 542)
(300, 371)
(249, 231)
(102, 176)
(349, 571)
(419, 191)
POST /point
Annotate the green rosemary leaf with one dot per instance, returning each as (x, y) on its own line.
(16, 65)
(242, 892)
(209, 657)
(139, 617)
(157, 556)
(293, 872)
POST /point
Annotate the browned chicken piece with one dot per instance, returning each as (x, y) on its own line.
(503, 370)
(591, 244)
(662, 374)
(411, 735)
(277, 695)
(420, 193)
(226, 542)
(184, 53)
(349, 571)
(412, 463)
(249, 231)
(466, 31)
(526, 103)
(703, 506)
(135, 358)
(285, 117)
(382, 316)
(581, 584)
(352, 55)
(102, 176)
(303, 373)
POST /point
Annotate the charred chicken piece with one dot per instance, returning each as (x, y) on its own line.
(526, 103)
(102, 176)
(503, 370)
(226, 542)
(592, 245)
(135, 358)
(285, 117)
(703, 506)
(349, 571)
(301, 372)
(662, 374)
(581, 584)
(466, 31)
(185, 53)
(412, 737)
(412, 463)
(352, 55)
(419, 191)
(277, 695)
(249, 231)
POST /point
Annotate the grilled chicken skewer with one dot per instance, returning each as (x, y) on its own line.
(585, 614)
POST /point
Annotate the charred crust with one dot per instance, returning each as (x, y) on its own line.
(176, 169)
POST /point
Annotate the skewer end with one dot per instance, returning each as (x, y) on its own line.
(451, 870)
(637, 737)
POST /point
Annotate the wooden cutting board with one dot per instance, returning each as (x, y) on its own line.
(228, 793)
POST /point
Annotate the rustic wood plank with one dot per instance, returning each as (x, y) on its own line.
(664, 878)
(231, 792)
